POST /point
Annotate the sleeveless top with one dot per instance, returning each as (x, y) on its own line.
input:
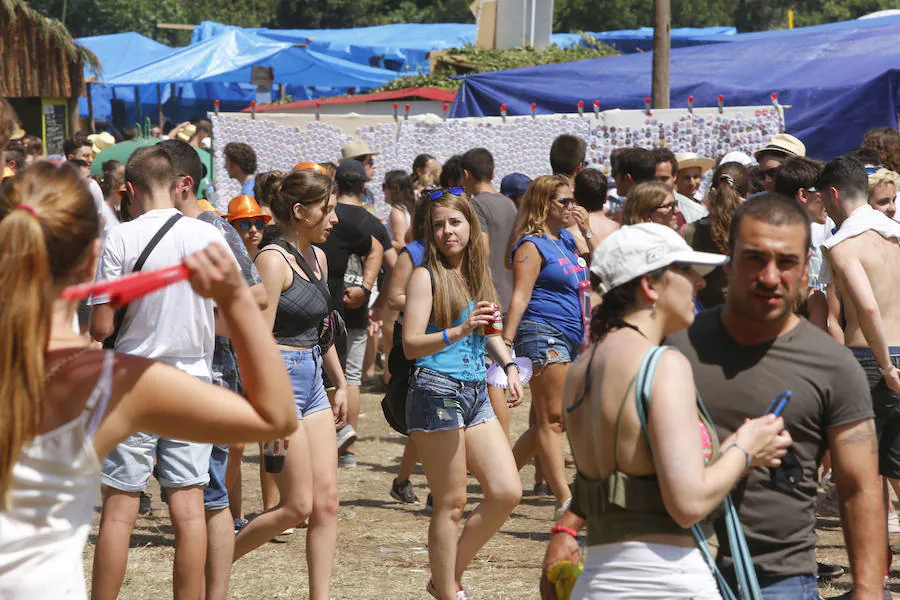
(55, 485)
(462, 360)
(620, 505)
(556, 298)
(301, 308)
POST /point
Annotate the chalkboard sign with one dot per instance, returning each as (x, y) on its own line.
(55, 128)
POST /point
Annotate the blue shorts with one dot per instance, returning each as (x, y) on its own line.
(438, 402)
(215, 494)
(179, 464)
(543, 344)
(304, 367)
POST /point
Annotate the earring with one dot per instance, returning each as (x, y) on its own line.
(653, 311)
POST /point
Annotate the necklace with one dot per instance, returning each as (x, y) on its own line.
(52, 371)
(623, 324)
(580, 261)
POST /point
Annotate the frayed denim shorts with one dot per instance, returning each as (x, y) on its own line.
(438, 402)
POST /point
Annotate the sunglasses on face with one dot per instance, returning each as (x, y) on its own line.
(667, 207)
(246, 224)
(566, 202)
(768, 173)
(434, 195)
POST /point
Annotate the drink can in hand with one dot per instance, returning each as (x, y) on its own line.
(274, 452)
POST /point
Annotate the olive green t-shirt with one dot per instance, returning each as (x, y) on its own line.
(829, 389)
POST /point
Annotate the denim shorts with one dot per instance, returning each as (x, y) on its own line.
(304, 367)
(886, 404)
(543, 344)
(438, 402)
(798, 587)
(179, 464)
(215, 494)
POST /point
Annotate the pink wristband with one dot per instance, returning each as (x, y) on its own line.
(563, 529)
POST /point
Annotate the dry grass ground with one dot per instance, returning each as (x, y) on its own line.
(382, 543)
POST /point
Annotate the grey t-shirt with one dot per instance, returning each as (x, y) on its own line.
(497, 215)
(829, 389)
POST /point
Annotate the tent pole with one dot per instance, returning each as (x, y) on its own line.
(662, 23)
(90, 103)
(137, 101)
(159, 104)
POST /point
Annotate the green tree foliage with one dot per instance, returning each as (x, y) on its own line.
(319, 14)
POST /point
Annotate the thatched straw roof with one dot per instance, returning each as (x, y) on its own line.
(38, 56)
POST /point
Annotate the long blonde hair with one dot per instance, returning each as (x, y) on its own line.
(452, 290)
(532, 219)
(37, 252)
(643, 199)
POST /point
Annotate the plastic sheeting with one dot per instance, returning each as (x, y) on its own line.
(628, 41)
(840, 82)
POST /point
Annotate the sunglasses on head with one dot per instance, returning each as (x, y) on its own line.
(245, 224)
(872, 169)
(435, 194)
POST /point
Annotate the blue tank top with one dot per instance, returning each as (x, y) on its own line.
(416, 251)
(462, 360)
(555, 300)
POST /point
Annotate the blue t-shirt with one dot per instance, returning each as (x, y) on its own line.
(247, 188)
(416, 251)
(464, 359)
(556, 299)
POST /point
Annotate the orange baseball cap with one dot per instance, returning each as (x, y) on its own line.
(310, 166)
(245, 207)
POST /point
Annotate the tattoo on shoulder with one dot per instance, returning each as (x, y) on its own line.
(865, 434)
(519, 261)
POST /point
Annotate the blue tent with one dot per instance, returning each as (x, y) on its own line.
(628, 41)
(229, 57)
(840, 82)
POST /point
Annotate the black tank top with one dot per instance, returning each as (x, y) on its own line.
(301, 308)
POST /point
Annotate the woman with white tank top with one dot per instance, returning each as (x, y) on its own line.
(64, 404)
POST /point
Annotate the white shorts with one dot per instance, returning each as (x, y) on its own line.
(644, 571)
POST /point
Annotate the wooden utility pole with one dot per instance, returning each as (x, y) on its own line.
(662, 25)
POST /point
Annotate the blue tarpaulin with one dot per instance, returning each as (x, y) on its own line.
(840, 82)
(229, 57)
(628, 41)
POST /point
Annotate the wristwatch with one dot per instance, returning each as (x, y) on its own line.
(885, 370)
(588, 234)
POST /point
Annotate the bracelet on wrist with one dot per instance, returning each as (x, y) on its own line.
(886, 370)
(507, 342)
(563, 529)
(510, 364)
(742, 449)
(446, 337)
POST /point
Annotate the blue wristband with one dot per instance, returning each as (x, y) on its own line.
(446, 337)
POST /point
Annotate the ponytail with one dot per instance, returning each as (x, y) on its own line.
(26, 297)
(48, 223)
(730, 186)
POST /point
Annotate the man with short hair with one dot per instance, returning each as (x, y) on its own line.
(567, 155)
(745, 353)
(772, 156)
(689, 175)
(667, 172)
(219, 524)
(514, 186)
(78, 147)
(360, 150)
(240, 164)
(172, 325)
(883, 186)
(14, 159)
(357, 234)
(633, 166)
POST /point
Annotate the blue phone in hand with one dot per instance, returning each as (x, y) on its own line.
(779, 403)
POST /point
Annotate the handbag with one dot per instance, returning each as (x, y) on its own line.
(393, 405)
(119, 318)
(332, 325)
(748, 585)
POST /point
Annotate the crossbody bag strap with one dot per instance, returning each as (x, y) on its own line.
(748, 585)
(154, 241)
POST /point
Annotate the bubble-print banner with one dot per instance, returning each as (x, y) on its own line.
(518, 144)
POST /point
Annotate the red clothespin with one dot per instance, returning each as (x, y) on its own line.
(445, 107)
(581, 108)
(396, 117)
(596, 109)
(406, 112)
(253, 109)
(503, 112)
(721, 104)
(691, 104)
(647, 106)
(533, 109)
(774, 99)
(216, 105)
(318, 106)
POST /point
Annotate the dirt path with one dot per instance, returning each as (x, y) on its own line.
(382, 543)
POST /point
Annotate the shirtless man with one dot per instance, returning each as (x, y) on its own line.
(590, 197)
(861, 257)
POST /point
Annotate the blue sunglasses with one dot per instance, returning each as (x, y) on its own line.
(456, 191)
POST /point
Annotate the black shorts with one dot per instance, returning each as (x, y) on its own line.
(886, 404)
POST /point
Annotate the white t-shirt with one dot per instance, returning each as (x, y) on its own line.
(173, 325)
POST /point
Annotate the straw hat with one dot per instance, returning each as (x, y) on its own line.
(245, 207)
(18, 133)
(101, 141)
(687, 160)
(784, 144)
(310, 166)
(356, 149)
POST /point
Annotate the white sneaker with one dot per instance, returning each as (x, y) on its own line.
(893, 523)
(346, 435)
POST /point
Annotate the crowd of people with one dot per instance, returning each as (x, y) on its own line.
(654, 318)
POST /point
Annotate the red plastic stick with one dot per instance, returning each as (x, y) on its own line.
(123, 290)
